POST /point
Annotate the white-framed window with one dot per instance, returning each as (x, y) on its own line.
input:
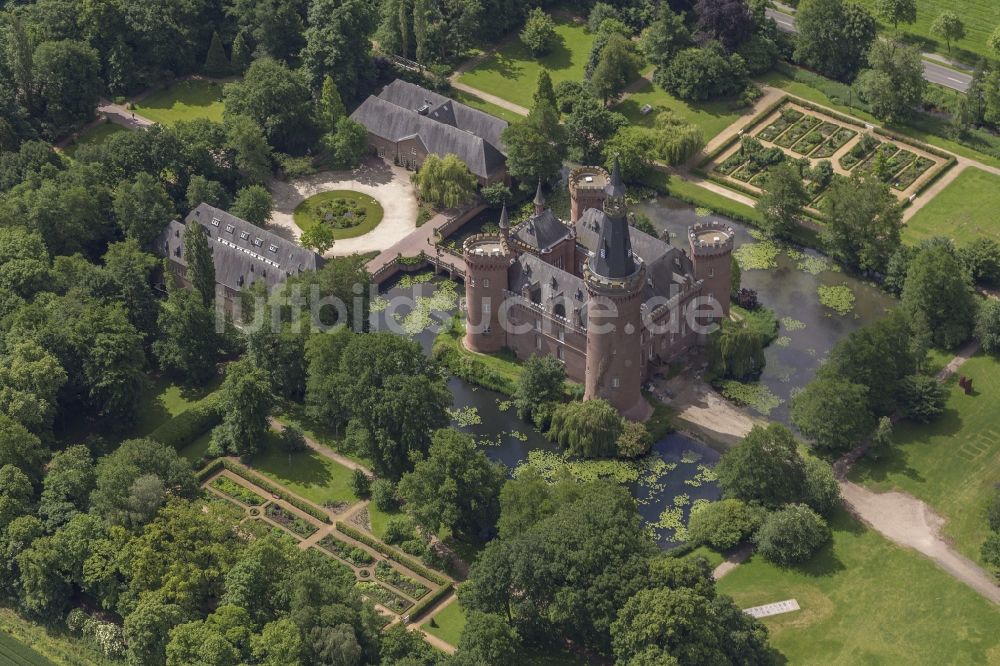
(413, 151)
(486, 283)
(562, 336)
(216, 221)
(538, 342)
(538, 324)
(615, 382)
(486, 308)
(258, 242)
(230, 228)
(244, 235)
(561, 354)
(711, 272)
(272, 248)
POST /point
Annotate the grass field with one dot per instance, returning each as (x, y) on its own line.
(164, 399)
(476, 103)
(449, 623)
(963, 211)
(512, 72)
(312, 211)
(16, 653)
(711, 117)
(952, 464)
(306, 473)
(94, 136)
(186, 100)
(867, 601)
(980, 18)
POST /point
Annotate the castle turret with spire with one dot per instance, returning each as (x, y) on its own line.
(615, 278)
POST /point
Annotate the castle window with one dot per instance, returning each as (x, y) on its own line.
(472, 282)
(615, 382)
(559, 310)
(486, 283)
(538, 324)
(562, 336)
(711, 272)
(487, 331)
(651, 352)
(561, 354)
(486, 308)
(413, 151)
(538, 342)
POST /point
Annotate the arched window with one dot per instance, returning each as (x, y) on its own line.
(559, 310)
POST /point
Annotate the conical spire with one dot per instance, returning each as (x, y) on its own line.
(504, 220)
(539, 199)
(615, 188)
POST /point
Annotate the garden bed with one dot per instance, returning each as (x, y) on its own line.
(837, 140)
(349, 214)
(814, 139)
(387, 574)
(345, 551)
(290, 521)
(909, 175)
(383, 596)
(235, 491)
(787, 118)
(797, 131)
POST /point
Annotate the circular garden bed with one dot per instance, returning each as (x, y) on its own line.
(350, 214)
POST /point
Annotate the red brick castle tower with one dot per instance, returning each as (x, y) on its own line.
(615, 278)
(712, 253)
(487, 259)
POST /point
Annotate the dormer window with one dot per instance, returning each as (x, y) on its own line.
(258, 242)
(216, 221)
(273, 248)
(244, 235)
(230, 228)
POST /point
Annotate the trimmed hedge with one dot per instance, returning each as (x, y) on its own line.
(392, 554)
(267, 485)
(945, 168)
(209, 469)
(190, 424)
(421, 607)
(836, 115)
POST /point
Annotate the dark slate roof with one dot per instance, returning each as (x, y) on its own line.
(551, 286)
(395, 123)
(242, 253)
(615, 188)
(445, 110)
(666, 265)
(541, 232)
(612, 254)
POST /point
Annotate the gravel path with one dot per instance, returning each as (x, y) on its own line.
(387, 184)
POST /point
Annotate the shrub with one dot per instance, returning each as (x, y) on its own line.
(822, 493)
(993, 513)
(398, 530)
(988, 327)
(361, 484)
(414, 547)
(791, 535)
(991, 550)
(922, 399)
(634, 440)
(496, 194)
(724, 525)
(384, 494)
(392, 554)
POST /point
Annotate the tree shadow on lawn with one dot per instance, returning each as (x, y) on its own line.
(560, 57)
(909, 434)
(507, 67)
(304, 468)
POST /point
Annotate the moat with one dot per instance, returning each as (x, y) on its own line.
(677, 474)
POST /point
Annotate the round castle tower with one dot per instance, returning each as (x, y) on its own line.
(615, 278)
(487, 258)
(587, 186)
(712, 252)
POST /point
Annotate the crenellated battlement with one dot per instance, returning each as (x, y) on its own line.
(711, 239)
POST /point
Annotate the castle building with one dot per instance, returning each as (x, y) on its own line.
(611, 302)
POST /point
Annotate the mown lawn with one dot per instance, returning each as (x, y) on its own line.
(314, 210)
(163, 399)
(476, 103)
(963, 211)
(185, 100)
(94, 136)
(512, 72)
(952, 464)
(710, 117)
(305, 473)
(866, 601)
(447, 623)
(980, 18)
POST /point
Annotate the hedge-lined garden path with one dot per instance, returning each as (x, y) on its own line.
(325, 451)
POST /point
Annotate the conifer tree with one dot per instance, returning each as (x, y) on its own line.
(330, 107)
(216, 62)
(200, 268)
(241, 55)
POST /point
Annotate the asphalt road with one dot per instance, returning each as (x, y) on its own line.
(933, 72)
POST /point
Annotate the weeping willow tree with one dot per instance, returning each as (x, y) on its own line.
(445, 181)
(586, 429)
(736, 352)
